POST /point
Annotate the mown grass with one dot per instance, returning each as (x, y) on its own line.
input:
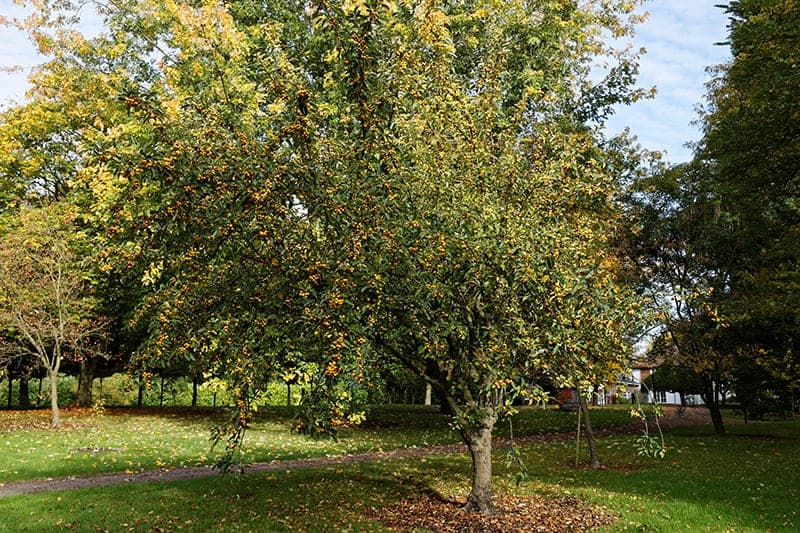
(747, 481)
(134, 440)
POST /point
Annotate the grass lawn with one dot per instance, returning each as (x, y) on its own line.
(748, 481)
(133, 440)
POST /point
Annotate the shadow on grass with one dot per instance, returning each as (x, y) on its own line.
(749, 480)
(324, 499)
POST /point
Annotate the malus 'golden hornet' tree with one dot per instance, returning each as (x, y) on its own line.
(356, 182)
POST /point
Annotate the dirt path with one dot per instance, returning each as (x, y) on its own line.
(671, 419)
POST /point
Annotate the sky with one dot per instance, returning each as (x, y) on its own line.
(679, 37)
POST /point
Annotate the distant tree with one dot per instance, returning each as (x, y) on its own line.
(749, 145)
(48, 152)
(683, 250)
(46, 306)
(674, 378)
(723, 229)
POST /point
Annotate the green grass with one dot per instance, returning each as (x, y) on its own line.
(133, 440)
(748, 481)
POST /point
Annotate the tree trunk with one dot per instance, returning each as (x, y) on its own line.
(10, 390)
(711, 399)
(140, 396)
(479, 443)
(24, 393)
(444, 407)
(85, 381)
(194, 392)
(594, 460)
(53, 377)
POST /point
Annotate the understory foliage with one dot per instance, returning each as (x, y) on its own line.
(350, 184)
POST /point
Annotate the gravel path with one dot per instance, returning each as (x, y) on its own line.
(671, 419)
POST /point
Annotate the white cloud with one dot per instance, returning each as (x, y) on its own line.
(680, 38)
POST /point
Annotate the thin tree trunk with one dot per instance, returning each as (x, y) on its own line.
(479, 443)
(711, 399)
(53, 377)
(288, 395)
(24, 393)
(140, 396)
(161, 393)
(10, 390)
(594, 460)
(194, 392)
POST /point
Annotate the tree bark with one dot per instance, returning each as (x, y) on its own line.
(445, 408)
(594, 460)
(711, 399)
(194, 392)
(53, 377)
(479, 443)
(24, 393)
(85, 382)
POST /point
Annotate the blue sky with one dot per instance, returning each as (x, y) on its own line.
(679, 37)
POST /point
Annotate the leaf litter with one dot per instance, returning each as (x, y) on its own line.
(513, 514)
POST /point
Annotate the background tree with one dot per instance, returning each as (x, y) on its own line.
(684, 249)
(674, 376)
(719, 234)
(50, 150)
(45, 299)
(750, 133)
